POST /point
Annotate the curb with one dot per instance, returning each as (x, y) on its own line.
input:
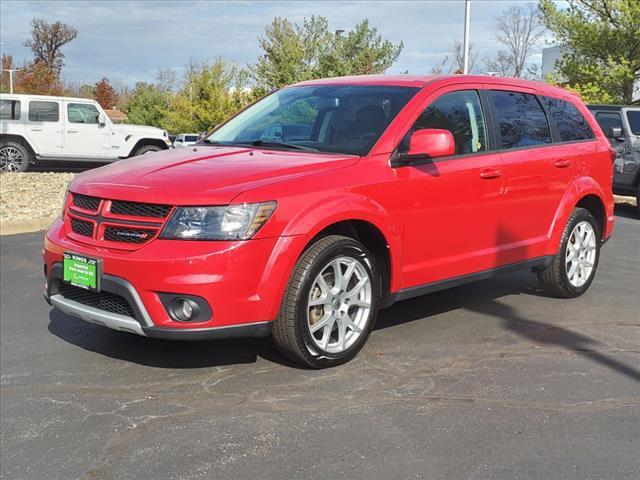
(25, 226)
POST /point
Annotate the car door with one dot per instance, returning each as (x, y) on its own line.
(84, 136)
(452, 204)
(537, 171)
(44, 127)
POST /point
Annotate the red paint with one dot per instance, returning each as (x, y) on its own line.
(441, 219)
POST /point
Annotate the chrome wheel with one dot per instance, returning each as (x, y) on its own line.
(339, 305)
(11, 159)
(580, 255)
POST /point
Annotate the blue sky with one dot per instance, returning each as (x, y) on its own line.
(129, 40)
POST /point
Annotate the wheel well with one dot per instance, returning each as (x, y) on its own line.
(6, 137)
(596, 208)
(147, 141)
(372, 238)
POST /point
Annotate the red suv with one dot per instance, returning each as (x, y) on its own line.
(323, 202)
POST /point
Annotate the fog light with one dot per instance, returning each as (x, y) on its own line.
(184, 309)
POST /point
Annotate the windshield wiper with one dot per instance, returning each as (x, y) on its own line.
(293, 146)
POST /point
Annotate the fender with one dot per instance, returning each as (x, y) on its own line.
(19, 138)
(579, 188)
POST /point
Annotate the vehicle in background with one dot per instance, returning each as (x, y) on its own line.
(36, 127)
(321, 203)
(621, 125)
(185, 139)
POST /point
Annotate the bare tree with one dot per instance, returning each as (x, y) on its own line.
(457, 60)
(519, 30)
(46, 41)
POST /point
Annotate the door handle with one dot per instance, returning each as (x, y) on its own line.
(490, 173)
(72, 131)
(563, 163)
(36, 129)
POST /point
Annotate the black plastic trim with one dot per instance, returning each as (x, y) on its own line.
(253, 330)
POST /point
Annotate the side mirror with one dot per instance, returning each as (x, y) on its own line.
(615, 133)
(101, 120)
(431, 143)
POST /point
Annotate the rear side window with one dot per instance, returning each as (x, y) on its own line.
(521, 119)
(191, 138)
(461, 114)
(44, 111)
(609, 120)
(634, 121)
(9, 109)
(571, 123)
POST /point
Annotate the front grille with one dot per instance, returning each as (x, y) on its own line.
(81, 227)
(136, 209)
(109, 302)
(127, 235)
(86, 202)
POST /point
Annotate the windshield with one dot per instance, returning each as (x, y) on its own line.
(634, 121)
(327, 118)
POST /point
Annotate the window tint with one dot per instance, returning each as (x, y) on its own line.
(82, 113)
(44, 111)
(521, 119)
(634, 121)
(609, 120)
(191, 138)
(571, 123)
(9, 109)
(461, 114)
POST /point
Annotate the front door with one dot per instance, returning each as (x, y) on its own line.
(44, 127)
(452, 204)
(84, 136)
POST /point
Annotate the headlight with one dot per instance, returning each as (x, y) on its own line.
(233, 222)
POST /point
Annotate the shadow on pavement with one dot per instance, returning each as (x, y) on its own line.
(627, 210)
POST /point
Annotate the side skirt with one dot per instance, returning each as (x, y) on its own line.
(427, 288)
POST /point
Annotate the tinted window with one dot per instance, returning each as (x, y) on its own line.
(461, 114)
(609, 120)
(82, 113)
(191, 138)
(44, 111)
(571, 123)
(9, 109)
(634, 121)
(521, 119)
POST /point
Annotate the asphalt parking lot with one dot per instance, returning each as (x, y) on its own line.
(487, 381)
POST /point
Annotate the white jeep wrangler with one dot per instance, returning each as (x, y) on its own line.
(35, 127)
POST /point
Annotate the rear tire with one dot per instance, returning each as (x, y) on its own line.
(14, 157)
(330, 304)
(573, 268)
(146, 149)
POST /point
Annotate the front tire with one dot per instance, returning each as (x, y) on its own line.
(14, 157)
(146, 149)
(330, 304)
(573, 268)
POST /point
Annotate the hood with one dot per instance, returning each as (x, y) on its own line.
(138, 129)
(204, 175)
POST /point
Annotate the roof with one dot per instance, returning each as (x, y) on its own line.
(46, 97)
(422, 80)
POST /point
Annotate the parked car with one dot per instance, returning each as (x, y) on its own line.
(185, 139)
(325, 201)
(35, 127)
(622, 126)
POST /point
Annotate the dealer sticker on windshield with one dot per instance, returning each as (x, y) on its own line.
(81, 271)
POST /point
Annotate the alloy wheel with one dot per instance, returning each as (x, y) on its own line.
(339, 305)
(11, 159)
(580, 255)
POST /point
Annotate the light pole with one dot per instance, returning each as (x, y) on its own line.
(10, 70)
(467, 20)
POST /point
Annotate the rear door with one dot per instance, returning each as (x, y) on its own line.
(537, 170)
(452, 205)
(44, 127)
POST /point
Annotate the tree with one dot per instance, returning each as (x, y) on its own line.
(148, 105)
(520, 31)
(209, 95)
(294, 53)
(37, 79)
(7, 64)
(46, 42)
(601, 44)
(457, 64)
(105, 94)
